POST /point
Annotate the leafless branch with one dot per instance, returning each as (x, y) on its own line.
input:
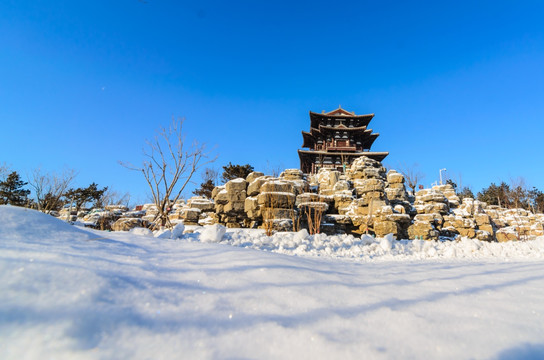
(169, 167)
(412, 175)
(50, 187)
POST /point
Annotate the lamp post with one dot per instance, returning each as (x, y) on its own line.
(441, 175)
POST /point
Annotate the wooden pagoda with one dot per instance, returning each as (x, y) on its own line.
(335, 139)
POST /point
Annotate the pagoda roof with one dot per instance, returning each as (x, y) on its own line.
(340, 113)
(379, 156)
(308, 139)
(342, 127)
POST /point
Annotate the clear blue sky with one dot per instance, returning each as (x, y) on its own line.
(456, 85)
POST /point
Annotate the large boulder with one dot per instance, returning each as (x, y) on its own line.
(126, 224)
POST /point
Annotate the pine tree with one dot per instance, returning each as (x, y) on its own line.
(81, 196)
(12, 192)
(496, 195)
(232, 171)
(205, 189)
(465, 193)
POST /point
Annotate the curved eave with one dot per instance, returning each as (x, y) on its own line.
(318, 115)
(370, 140)
(343, 128)
(376, 155)
(308, 140)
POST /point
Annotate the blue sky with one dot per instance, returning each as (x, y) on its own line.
(456, 85)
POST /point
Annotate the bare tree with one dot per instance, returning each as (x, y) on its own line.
(112, 197)
(412, 175)
(50, 188)
(169, 166)
(274, 170)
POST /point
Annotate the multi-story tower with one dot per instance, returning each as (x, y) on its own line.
(335, 139)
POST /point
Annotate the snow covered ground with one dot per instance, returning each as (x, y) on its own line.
(68, 292)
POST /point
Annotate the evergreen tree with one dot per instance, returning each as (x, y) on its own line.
(51, 202)
(536, 200)
(81, 196)
(496, 195)
(235, 171)
(12, 192)
(210, 178)
(205, 189)
(465, 193)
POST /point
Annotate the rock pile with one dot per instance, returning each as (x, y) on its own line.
(229, 203)
(363, 199)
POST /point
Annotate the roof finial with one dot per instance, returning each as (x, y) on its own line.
(339, 106)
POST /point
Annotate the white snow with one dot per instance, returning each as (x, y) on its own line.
(73, 293)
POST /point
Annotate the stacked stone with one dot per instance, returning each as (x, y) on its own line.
(273, 199)
(308, 204)
(150, 212)
(372, 211)
(495, 213)
(470, 220)
(117, 209)
(515, 224)
(292, 174)
(326, 180)
(251, 204)
(395, 191)
(517, 221)
(369, 180)
(229, 202)
(127, 223)
(176, 213)
(537, 224)
(389, 221)
(100, 219)
(277, 203)
(68, 214)
(335, 190)
(431, 206)
(197, 211)
(449, 192)
(342, 196)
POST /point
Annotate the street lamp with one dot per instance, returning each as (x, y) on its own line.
(441, 175)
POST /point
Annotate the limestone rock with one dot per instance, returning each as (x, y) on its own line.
(236, 185)
(254, 175)
(125, 224)
(422, 230)
(292, 174)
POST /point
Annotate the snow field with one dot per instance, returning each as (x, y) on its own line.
(69, 293)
